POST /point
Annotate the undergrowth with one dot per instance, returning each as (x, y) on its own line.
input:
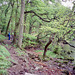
(4, 60)
(29, 36)
(20, 52)
(50, 54)
(2, 37)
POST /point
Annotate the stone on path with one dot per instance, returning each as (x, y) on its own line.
(29, 74)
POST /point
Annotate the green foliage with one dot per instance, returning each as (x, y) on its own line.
(29, 43)
(57, 49)
(29, 40)
(61, 21)
(4, 60)
(29, 36)
(45, 29)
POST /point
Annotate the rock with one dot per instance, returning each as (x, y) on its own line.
(65, 62)
(21, 72)
(58, 67)
(59, 64)
(37, 68)
(74, 70)
(36, 59)
(29, 74)
(66, 72)
(63, 66)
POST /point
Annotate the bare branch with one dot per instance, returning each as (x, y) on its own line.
(38, 16)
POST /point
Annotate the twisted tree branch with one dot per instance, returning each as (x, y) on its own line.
(39, 16)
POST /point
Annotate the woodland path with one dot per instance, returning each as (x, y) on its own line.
(24, 65)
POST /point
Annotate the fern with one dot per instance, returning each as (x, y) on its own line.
(4, 61)
(2, 37)
(4, 51)
(3, 72)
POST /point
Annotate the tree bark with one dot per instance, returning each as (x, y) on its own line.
(21, 23)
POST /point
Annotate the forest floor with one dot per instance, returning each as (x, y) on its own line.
(28, 63)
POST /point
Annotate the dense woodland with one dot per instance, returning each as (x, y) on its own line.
(40, 32)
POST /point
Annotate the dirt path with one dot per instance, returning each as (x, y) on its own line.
(24, 65)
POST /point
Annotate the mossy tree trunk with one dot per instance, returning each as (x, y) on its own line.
(21, 23)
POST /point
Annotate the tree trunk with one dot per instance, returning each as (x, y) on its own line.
(24, 29)
(16, 27)
(9, 19)
(30, 28)
(45, 50)
(8, 24)
(0, 31)
(16, 24)
(25, 23)
(31, 24)
(21, 23)
(50, 41)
